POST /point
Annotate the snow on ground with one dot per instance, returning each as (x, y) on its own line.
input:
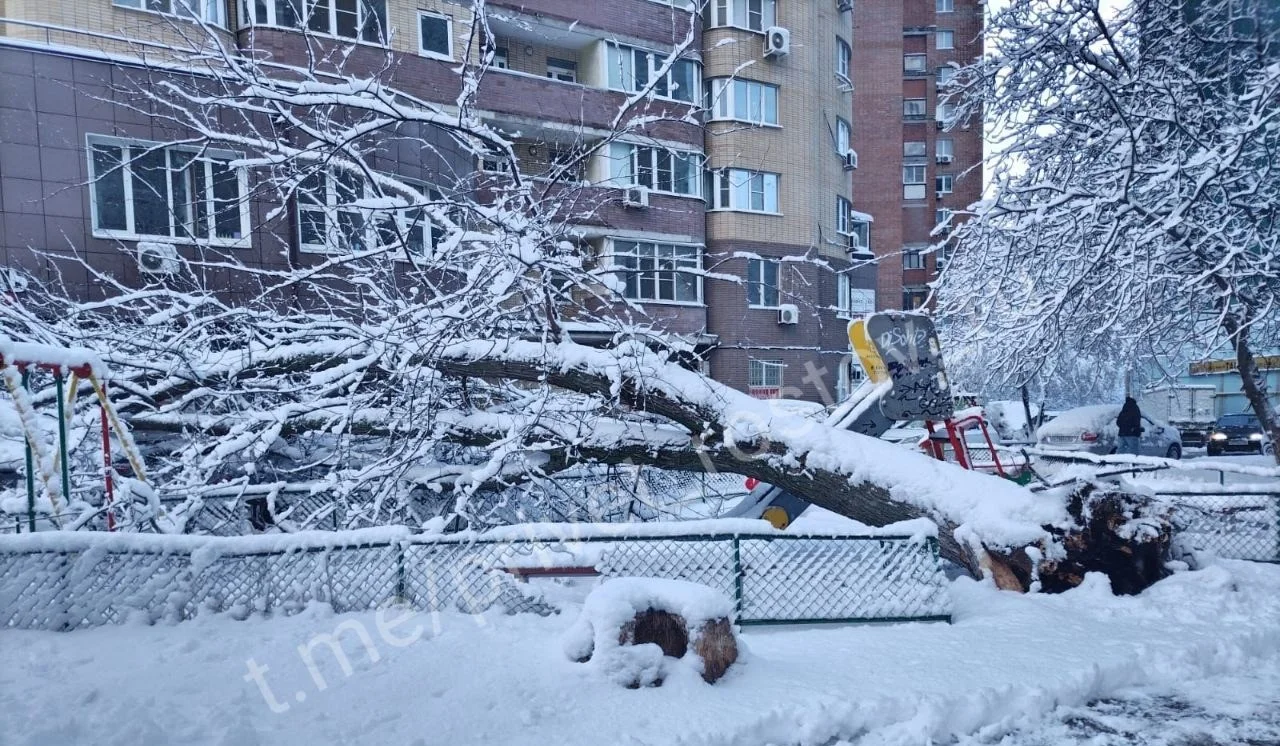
(1009, 665)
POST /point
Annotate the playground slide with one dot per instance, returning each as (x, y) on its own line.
(859, 413)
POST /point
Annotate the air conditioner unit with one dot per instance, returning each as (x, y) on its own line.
(850, 160)
(158, 258)
(788, 313)
(944, 158)
(844, 5)
(777, 41)
(636, 196)
(939, 195)
(942, 124)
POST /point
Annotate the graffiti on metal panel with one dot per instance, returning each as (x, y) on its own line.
(909, 347)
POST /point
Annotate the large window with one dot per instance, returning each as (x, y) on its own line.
(944, 184)
(852, 227)
(365, 20)
(209, 11)
(913, 108)
(912, 260)
(852, 302)
(946, 74)
(762, 282)
(913, 181)
(149, 190)
(329, 219)
(946, 6)
(632, 69)
(656, 168)
(742, 100)
(915, 64)
(764, 378)
(946, 112)
(843, 136)
(435, 38)
(756, 15)
(658, 271)
(913, 149)
(844, 60)
(945, 39)
(740, 189)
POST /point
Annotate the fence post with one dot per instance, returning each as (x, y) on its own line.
(401, 596)
(737, 576)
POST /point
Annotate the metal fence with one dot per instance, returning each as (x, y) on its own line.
(1231, 522)
(83, 579)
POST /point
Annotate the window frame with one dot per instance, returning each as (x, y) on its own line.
(721, 183)
(758, 374)
(909, 180)
(557, 66)
(844, 137)
(768, 14)
(501, 56)
(658, 275)
(923, 105)
(949, 150)
(944, 6)
(922, 68)
(940, 34)
(914, 292)
(369, 220)
(845, 295)
(912, 259)
(448, 33)
(943, 80)
(722, 95)
(175, 236)
(844, 61)
(654, 61)
(627, 170)
(758, 287)
(924, 149)
(175, 11)
(949, 180)
(248, 18)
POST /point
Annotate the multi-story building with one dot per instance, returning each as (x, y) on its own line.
(917, 166)
(729, 214)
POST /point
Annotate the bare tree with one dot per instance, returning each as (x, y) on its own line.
(1133, 208)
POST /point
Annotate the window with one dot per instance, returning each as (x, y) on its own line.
(844, 60)
(329, 220)
(945, 149)
(365, 20)
(915, 64)
(913, 149)
(209, 11)
(148, 190)
(946, 112)
(756, 15)
(946, 6)
(913, 298)
(852, 302)
(913, 181)
(946, 74)
(943, 183)
(739, 189)
(500, 59)
(913, 108)
(945, 39)
(562, 70)
(850, 373)
(851, 226)
(764, 379)
(742, 100)
(942, 217)
(632, 70)
(658, 169)
(843, 137)
(659, 272)
(912, 260)
(435, 36)
(762, 283)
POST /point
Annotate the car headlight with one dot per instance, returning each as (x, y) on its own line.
(1255, 436)
(1218, 436)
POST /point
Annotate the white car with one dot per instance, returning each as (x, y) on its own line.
(1093, 430)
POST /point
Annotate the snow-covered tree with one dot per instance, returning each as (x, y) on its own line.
(446, 358)
(1133, 211)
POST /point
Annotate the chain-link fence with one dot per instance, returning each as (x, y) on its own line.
(1230, 522)
(83, 580)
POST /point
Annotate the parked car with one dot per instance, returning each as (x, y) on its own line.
(1239, 433)
(1093, 430)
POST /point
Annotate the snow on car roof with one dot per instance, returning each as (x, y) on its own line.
(1093, 418)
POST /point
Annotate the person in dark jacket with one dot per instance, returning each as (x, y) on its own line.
(1129, 423)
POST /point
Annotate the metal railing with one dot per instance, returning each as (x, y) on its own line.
(1232, 522)
(71, 580)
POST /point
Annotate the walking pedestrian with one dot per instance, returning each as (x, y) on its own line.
(1129, 423)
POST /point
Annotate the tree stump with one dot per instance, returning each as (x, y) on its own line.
(635, 629)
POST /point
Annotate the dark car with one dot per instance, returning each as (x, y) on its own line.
(1239, 433)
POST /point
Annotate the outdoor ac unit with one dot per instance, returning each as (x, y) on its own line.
(788, 313)
(777, 41)
(942, 124)
(844, 5)
(850, 160)
(636, 196)
(944, 158)
(939, 195)
(158, 258)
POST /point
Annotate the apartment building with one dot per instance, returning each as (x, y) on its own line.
(729, 215)
(917, 165)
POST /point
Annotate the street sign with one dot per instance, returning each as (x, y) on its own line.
(908, 347)
(866, 352)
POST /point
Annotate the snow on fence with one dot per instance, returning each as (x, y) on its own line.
(1231, 521)
(65, 581)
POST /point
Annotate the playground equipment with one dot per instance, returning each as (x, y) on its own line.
(69, 368)
(905, 380)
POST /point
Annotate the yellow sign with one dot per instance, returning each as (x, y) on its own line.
(871, 361)
(1206, 367)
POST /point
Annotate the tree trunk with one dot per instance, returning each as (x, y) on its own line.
(1253, 382)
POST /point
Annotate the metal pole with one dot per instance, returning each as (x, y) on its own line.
(62, 438)
(737, 576)
(31, 466)
(106, 468)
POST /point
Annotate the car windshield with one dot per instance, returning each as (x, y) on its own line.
(1238, 420)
